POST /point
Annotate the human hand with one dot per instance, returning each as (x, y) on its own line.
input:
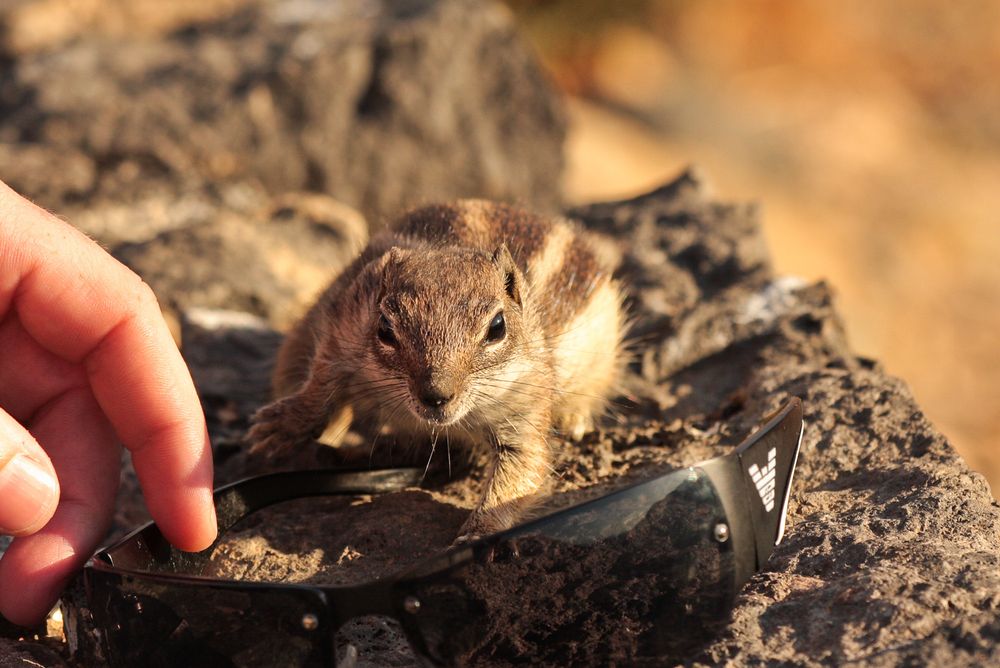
(84, 356)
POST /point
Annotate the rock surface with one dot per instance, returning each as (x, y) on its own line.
(383, 105)
(891, 552)
(285, 252)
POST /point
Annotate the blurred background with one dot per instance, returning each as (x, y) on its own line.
(868, 132)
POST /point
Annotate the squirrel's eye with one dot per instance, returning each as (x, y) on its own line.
(384, 332)
(498, 328)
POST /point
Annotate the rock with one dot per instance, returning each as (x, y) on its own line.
(14, 653)
(891, 556)
(383, 105)
(31, 169)
(272, 262)
(892, 552)
(28, 26)
(231, 355)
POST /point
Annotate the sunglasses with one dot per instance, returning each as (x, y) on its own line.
(648, 572)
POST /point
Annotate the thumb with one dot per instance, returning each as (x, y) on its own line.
(29, 490)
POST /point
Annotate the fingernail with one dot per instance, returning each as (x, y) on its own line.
(26, 494)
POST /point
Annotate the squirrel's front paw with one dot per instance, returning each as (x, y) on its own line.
(465, 539)
(575, 426)
(273, 431)
(482, 523)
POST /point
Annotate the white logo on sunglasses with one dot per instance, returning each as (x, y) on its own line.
(764, 480)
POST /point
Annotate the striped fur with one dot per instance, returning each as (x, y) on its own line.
(410, 319)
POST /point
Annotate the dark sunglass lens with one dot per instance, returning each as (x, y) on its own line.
(645, 573)
(175, 624)
(372, 640)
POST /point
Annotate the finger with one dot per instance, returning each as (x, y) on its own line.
(156, 412)
(84, 306)
(35, 568)
(29, 490)
(31, 376)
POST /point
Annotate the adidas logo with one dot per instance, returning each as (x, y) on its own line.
(764, 479)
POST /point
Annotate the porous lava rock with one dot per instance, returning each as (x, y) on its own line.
(891, 552)
(383, 105)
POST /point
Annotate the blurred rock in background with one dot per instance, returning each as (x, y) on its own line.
(868, 132)
(121, 101)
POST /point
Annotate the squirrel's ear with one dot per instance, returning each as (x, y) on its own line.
(383, 262)
(391, 257)
(511, 276)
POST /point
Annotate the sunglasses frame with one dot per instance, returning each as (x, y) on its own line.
(746, 480)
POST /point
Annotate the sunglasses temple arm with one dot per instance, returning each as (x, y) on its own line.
(727, 478)
(237, 500)
(754, 484)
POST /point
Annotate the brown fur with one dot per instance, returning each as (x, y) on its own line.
(438, 278)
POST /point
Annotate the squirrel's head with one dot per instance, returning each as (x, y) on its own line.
(448, 326)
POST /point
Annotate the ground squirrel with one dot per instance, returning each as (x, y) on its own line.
(474, 319)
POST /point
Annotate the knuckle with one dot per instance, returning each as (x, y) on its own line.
(137, 295)
(145, 298)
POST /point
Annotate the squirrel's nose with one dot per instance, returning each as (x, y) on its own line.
(435, 398)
